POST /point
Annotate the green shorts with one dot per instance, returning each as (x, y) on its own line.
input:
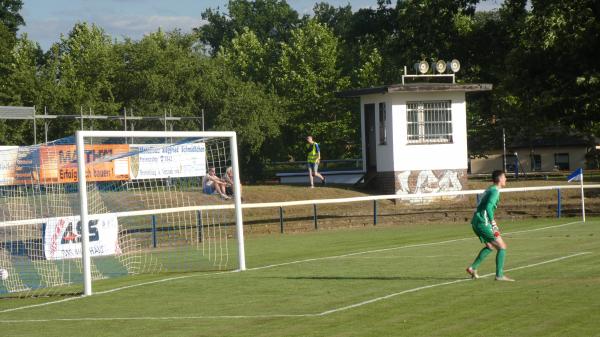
(484, 232)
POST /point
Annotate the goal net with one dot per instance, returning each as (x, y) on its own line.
(154, 202)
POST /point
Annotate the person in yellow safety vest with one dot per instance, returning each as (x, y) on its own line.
(313, 159)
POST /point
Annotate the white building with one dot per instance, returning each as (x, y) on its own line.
(414, 136)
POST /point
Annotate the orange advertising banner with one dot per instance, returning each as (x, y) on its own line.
(58, 164)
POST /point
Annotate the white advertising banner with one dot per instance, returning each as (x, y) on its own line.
(8, 164)
(62, 237)
(168, 161)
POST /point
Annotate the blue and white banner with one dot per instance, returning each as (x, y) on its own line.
(168, 161)
(62, 237)
(576, 175)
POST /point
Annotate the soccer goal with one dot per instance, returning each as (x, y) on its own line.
(149, 199)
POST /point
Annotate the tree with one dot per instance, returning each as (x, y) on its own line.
(19, 85)
(272, 19)
(7, 43)
(10, 16)
(431, 29)
(255, 113)
(248, 58)
(160, 73)
(486, 49)
(339, 20)
(555, 79)
(10, 20)
(308, 76)
(80, 72)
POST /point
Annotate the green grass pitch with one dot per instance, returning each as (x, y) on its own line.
(404, 280)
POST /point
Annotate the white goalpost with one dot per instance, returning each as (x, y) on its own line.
(105, 204)
(83, 198)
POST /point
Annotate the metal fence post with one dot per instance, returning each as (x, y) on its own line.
(281, 219)
(478, 198)
(315, 216)
(558, 205)
(154, 231)
(374, 212)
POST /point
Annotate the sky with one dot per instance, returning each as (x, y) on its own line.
(46, 20)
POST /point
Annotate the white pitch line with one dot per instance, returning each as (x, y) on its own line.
(271, 266)
(114, 290)
(377, 299)
(324, 313)
(359, 253)
(400, 247)
(542, 228)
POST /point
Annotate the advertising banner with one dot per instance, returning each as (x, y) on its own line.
(27, 165)
(58, 163)
(8, 164)
(62, 237)
(168, 161)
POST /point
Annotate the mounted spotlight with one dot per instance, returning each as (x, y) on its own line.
(455, 65)
(440, 66)
(423, 67)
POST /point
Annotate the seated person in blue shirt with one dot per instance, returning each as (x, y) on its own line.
(211, 184)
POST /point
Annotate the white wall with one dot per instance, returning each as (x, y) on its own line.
(397, 154)
(405, 157)
(385, 153)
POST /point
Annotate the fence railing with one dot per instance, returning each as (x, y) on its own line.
(326, 164)
(315, 202)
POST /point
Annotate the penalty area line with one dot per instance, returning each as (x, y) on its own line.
(377, 299)
(324, 313)
(272, 266)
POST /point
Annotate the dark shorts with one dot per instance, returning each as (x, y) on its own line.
(313, 166)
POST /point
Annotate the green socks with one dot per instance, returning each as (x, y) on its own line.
(500, 256)
(500, 262)
(483, 253)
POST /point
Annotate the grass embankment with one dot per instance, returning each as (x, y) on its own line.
(300, 218)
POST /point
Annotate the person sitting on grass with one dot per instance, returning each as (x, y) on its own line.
(211, 184)
(228, 178)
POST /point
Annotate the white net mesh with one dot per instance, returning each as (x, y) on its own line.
(145, 205)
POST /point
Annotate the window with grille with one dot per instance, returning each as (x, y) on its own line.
(429, 122)
(382, 124)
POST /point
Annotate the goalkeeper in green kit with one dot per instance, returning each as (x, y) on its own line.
(485, 228)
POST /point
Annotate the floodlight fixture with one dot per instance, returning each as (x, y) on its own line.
(440, 66)
(455, 65)
(423, 67)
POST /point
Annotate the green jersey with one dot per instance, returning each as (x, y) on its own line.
(487, 206)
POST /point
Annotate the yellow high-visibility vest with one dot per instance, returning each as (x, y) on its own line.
(312, 153)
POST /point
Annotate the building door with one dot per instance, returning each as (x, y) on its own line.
(370, 140)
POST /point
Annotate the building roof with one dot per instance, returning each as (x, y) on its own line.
(416, 87)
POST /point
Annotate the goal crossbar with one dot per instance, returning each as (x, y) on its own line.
(83, 197)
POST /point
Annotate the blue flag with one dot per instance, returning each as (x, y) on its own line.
(576, 175)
